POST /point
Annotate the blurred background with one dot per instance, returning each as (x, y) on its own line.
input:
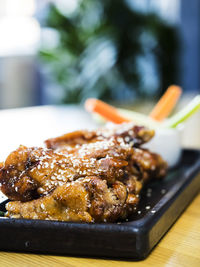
(125, 52)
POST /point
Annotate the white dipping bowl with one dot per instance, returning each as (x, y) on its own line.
(167, 143)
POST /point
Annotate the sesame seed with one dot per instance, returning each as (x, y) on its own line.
(163, 191)
(127, 139)
(153, 211)
(46, 165)
(40, 190)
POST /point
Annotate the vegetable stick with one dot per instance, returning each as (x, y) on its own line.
(184, 114)
(135, 117)
(139, 118)
(108, 112)
(167, 102)
(117, 115)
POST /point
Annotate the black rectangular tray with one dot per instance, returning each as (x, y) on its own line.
(161, 204)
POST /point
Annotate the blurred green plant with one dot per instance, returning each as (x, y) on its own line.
(108, 50)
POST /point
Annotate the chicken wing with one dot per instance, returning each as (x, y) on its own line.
(130, 133)
(82, 176)
(87, 199)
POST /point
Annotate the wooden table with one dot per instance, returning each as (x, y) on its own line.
(179, 247)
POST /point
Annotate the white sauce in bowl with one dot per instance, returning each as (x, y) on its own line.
(167, 143)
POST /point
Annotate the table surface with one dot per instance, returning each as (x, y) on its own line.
(179, 247)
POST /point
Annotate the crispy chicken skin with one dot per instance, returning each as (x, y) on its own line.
(81, 176)
(86, 199)
(136, 135)
(31, 172)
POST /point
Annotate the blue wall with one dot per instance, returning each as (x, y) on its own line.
(190, 31)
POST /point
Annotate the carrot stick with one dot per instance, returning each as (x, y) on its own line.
(108, 112)
(166, 103)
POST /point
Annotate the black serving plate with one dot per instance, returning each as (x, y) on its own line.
(161, 204)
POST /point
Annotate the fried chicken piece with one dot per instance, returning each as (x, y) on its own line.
(105, 202)
(83, 176)
(130, 133)
(147, 165)
(87, 199)
(29, 173)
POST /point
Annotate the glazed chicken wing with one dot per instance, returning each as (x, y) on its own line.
(101, 173)
(87, 199)
(136, 135)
